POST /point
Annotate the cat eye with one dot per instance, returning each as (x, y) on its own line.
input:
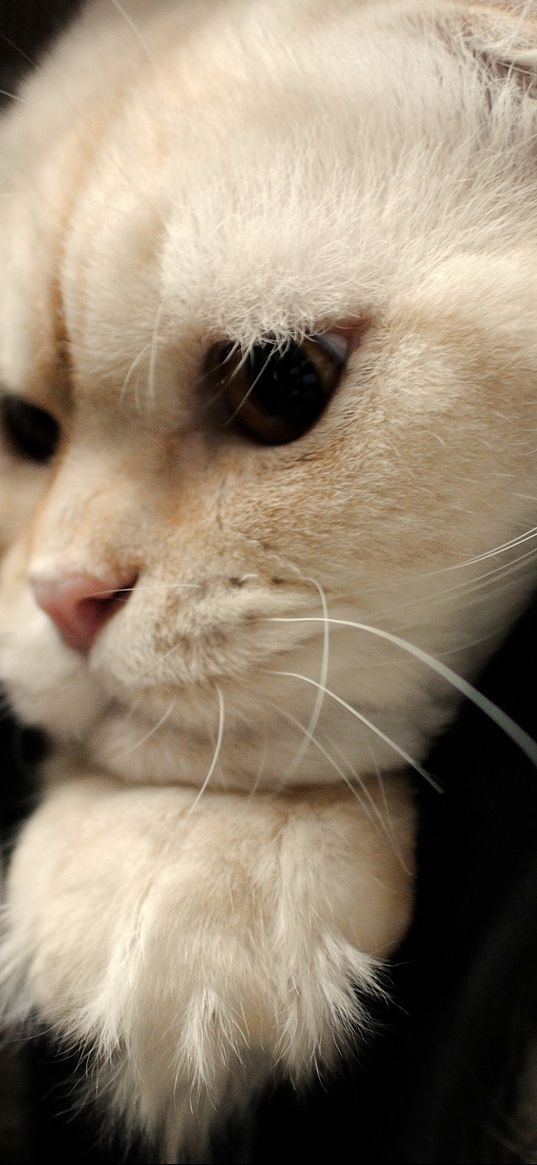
(31, 431)
(276, 394)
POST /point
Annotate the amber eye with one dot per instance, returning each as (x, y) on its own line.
(32, 432)
(277, 393)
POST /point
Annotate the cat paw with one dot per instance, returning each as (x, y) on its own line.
(197, 949)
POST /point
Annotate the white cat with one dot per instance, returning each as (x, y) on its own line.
(268, 361)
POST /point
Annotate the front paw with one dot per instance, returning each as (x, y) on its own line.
(197, 950)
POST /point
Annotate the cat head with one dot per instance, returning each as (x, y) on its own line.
(268, 361)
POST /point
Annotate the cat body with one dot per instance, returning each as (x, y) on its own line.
(238, 646)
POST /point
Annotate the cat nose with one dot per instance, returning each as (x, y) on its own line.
(81, 604)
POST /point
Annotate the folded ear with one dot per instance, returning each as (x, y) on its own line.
(502, 36)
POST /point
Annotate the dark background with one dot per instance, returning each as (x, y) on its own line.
(25, 28)
(437, 1080)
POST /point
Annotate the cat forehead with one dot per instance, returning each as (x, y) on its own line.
(272, 207)
(253, 191)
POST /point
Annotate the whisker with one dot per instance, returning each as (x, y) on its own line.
(17, 49)
(361, 794)
(145, 587)
(474, 591)
(364, 720)
(391, 832)
(175, 586)
(135, 30)
(130, 712)
(250, 389)
(527, 536)
(314, 719)
(303, 729)
(130, 372)
(212, 766)
(261, 768)
(154, 342)
(482, 579)
(13, 96)
(220, 392)
(148, 735)
(466, 587)
(513, 730)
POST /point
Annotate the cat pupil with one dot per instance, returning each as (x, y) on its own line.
(276, 395)
(286, 385)
(31, 431)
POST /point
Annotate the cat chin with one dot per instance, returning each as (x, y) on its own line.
(220, 727)
(249, 749)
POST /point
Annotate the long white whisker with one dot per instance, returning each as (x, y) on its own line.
(466, 587)
(32, 61)
(218, 746)
(260, 770)
(482, 579)
(147, 671)
(495, 572)
(131, 711)
(513, 730)
(304, 729)
(149, 587)
(136, 31)
(148, 735)
(386, 820)
(527, 536)
(360, 794)
(130, 373)
(13, 96)
(364, 720)
(155, 340)
(106, 594)
(471, 590)
(250, 389)
(314, 718)
(389, 827)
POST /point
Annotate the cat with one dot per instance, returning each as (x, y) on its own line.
(268, 357)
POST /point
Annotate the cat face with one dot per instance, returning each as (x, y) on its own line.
(268, 359)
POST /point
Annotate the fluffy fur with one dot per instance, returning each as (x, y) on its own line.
(174, 175)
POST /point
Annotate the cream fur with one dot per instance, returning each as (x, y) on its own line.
(222, 942)
(178, 173)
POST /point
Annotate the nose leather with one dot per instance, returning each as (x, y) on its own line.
(80, 604)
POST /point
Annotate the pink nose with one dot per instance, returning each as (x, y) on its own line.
(80, 605)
